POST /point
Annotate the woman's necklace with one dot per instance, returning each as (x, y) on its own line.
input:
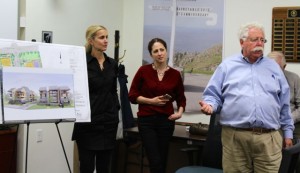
(100, 58)
(101, 66)
(160, 73)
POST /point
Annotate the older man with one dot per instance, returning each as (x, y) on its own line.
(252, 96)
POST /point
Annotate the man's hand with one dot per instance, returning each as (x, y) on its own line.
(206, 108)
(287, 143)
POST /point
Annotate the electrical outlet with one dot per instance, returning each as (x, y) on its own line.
(39, 135)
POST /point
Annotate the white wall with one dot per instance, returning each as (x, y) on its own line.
(68, 20)
(9, 12)
(132, 40)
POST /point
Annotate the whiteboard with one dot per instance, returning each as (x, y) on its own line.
(9, 16)
(46, 59)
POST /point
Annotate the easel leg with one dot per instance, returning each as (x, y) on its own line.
(27, 147)
(63, 146)
(12, 160)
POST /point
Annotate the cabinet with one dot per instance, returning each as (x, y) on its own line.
(8, 151)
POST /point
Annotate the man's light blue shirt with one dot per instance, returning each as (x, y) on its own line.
(250, 95)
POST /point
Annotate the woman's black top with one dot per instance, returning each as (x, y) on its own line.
(100, 133)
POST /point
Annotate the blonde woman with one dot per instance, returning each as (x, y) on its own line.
(97, 139)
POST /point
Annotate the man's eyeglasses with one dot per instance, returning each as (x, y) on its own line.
(256, 40)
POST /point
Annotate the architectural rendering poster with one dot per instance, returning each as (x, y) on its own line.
(50, 57)
(37, 94)
(193, 30)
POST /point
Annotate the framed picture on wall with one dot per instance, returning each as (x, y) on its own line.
(47, 36)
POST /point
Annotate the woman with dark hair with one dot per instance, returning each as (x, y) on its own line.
(154, 88)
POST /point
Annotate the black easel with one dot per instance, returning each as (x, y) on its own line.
(56, 123)
(62, 144)
(14, 150)
(28, 123)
